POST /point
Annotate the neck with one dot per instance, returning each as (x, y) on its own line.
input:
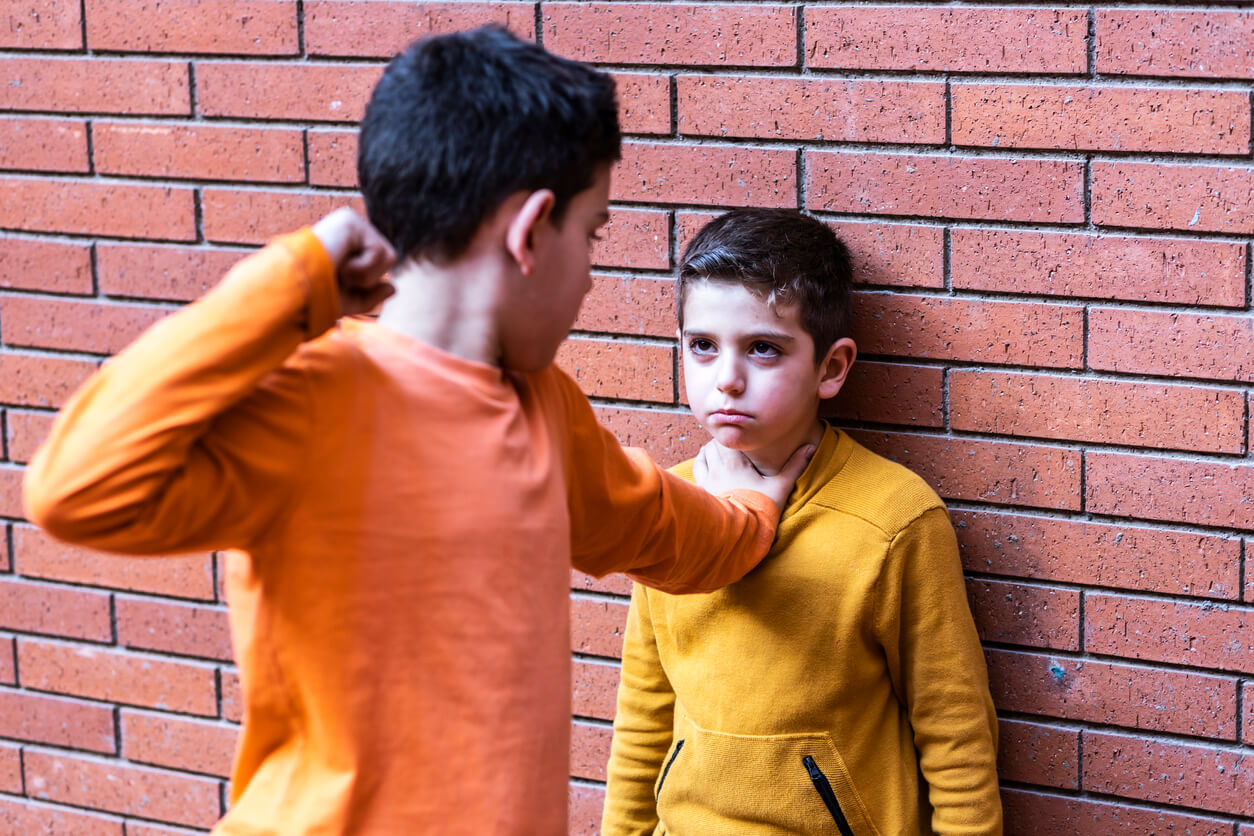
(770, 460)
(451, 307)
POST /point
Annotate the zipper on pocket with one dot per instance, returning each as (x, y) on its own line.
(674, 755)
(829, 797)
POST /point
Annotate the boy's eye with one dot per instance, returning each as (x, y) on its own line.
(762, 349)
(700, 345)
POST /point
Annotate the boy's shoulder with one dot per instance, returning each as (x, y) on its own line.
(869, 486)
(847, 478)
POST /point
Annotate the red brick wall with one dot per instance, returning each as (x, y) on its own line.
(1051, 209)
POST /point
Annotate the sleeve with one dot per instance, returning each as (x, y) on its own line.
(938, 669)
(643, 728)
(193, 436)
(628, 515)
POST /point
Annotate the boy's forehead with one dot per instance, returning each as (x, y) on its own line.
(722, 303)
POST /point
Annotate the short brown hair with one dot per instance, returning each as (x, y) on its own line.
(782, 254)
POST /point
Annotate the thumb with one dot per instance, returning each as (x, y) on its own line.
(797, 462)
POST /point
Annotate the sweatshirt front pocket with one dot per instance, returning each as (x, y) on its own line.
(734, 784)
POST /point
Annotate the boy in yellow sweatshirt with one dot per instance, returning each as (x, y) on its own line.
(406, 496)
(839, 688)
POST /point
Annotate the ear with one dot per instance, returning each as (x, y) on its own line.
(520, 235)
(835, 367)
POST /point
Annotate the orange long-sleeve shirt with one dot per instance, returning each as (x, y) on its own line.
(404, 523)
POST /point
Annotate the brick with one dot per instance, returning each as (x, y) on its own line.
(8, 661)
(986, 471)
(1124, 556)
(1155, 415)
(42, 24)
(202, 152)
(1114, 694)
(1033, 753)
(43, 145)
(1204, 635)
(178, 743)
(949, 186)
(812, 108)
(882, 253)
(625, 370)
(1025, 614)
(710, 175)
(596, 626)
(40, 556)
(55, 721)
(117, 676)
(585, 803)
(1194, 198)
(1209, 44)
(1039, 814)
(1165, 772)
(11, 492)
(97, 208)
(40, 264)
(1163, 119)
(1213, 347)
(1247, 724)
(136, 829)
(95, 85)
(903, 255)
(118, 788)
(668, 436)
(631, 305)
(25, 817)
(232, 698)
(947, 40)
(304, 92)
(356, 29)
(969, 330)
(635, 238)
(333, 158)
(644, 103)
(37, 607)
(254, 217)
(1165, 270)
(890, 393)
(242, 27)
(10, 776)
(589, 750)
(613, 583)
(1174, 490)
(162, 272)
(185, 629)
(41, 380)
(594, 689)
(74, 325)
(727, 35)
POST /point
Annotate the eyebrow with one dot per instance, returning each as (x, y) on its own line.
(768, 336)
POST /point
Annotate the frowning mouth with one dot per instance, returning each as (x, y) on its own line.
(730, 416)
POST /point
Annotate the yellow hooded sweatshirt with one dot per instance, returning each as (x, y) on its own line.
(839, 688)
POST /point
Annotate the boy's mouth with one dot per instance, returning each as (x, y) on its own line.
(730, 416)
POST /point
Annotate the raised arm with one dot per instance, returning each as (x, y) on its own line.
(192, 437)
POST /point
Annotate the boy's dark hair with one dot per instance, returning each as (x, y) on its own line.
(459, 122)
(785, 256)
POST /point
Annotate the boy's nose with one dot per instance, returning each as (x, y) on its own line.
(730, 380)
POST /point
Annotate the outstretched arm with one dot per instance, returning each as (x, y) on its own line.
(193, 436)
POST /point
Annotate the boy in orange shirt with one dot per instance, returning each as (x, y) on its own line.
(406, 496)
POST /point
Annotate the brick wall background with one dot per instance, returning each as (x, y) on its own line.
(1052, 208)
